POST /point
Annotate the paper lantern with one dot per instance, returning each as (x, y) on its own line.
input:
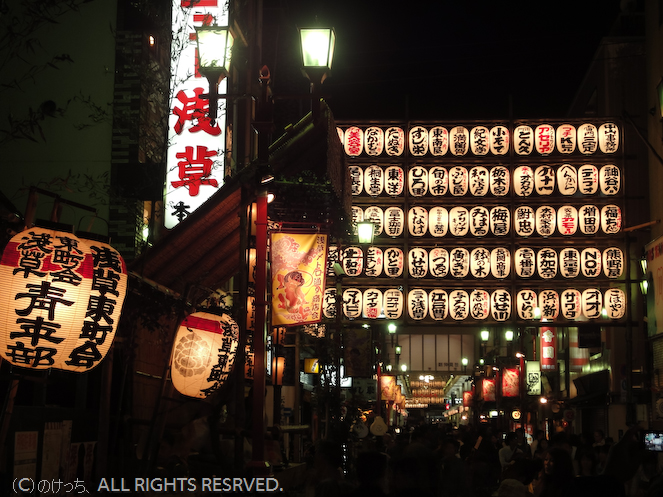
(480, 262)
(549, 304)
(373, 141)
(479, 181)
(524, 220)
(590, 262)
(610, 179)
(615, 303)
(569, 262)
(523, 140)
(249, 362)
(394, 220)
(394, 181)
(438, 180)
(546, 263)
(608, 138)
(394, 141)
(500, 220)
(438, 139)
(329, 303)
(459, 304)
(567, 179)
(588, 179)
(587, 139)
(332, 258)
(204, 352)
(278, 366)
(544, 180)
(479, 304)
(353, 142)
(571, 303)
(357, 216)
(393, 303)
(393, 262)
(499, 181)
(546, 220)
(438, 304)
(352, 303)
(533, 378)
(611, 219)
(47, 276)
(500, 305)
(356, 179)
(375, 215)
(500, 262)
(566, 139)
(417, 304)
(438, 221)
(459, 138)
(373, 300)
(524, 262)
(251, 263)
(250, 313)
(479, 140)
(499, 140)
(544, 139)
(459, 262)
(567, 220)
(417, 221)
(438, 262)
(418, 181)
(592, 303)
(373, 180)
(353, 261)
(479, 221)
(510, 382)
(613, 262)
(459, 221)
(458, 181)
(526, 302)
(488, 389)
(589, 219)
(374, 262)
(417, 262)
(548, 345)
(523, 181)
(418, 140)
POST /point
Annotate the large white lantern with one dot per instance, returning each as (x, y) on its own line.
(394, 221)
(615, 303)
(459, 222)
(373, 141)
(569, 262)
(375, 215)
(459, 262)
(353, 141)
(394, 141)
(611, 219)
(567, 179)
(459, 140)
(500, 220)
(479, 140)
(479, 304)
(590, 262)
(523, 181)
(393, 262)
(418, 181)
(417, 221)
(499, 181)
(499, 140)
(500, 262)
(459, 304)
(566, 138)
(613, 262)
(523, 140)
(418, 141)
(353, 261)
(458, 181)
(609, 138)
(546, 263)
(571, 303)
(374, 261)
(438, 221)
(525, 262)
(592, 303)
(589, 219)
(500, 304)
(438, 139)
(329, 303)
(438, 179)
(544, 139)
(394, 181)
(526, 302)
(479, 221)
(438, 262)
(352, 303)
(418, 262)
(544, 180)
(373, 180)
(610, 179)
(546, 220)
(524, 220)
(588, 179)
(549, 304)
(587, 139)
(480, 262)
(567, 220)
(438, 304)
(204, 353)
(373, 300)
(393, 303)
(417, 304)
(479, 181)
(356, 179)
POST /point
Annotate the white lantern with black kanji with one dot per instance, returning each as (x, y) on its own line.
(375, 215)
(458, 181)
(374, 261)
(353, 141)
(500, 180)
(589, 219)
(353, 261)
(393, 262)
(615, 303)
(592, 303)
(524, 221)
(418, 262)
(611, 219)
(204, 353)
(566, 139)
(394, 141)
(546, 263)
(373, 141)
(373, 299)
(480, 262)
(479, 181)
(588, 179)
(356, 179)
(438, 262)
(394, 221)
(329, 303)
(526, 302)
(459, 141)
(569, 262)
(394, 181)
(499, 140)
(393, 303)
(417, 221)
(459, 305)
(438, 221)
(523, 140)
(438, 139)
(418, 181)
(544, 180)
(500, 220)
(438, 179)
(525, 262)
(587, 139)
(523, 181)
(549, 304)
(608, 138)
(417, 304)
(373, 180)
(459, 262)
(479, 304)
(479, 221)
(418, 140)
(352, 303)
(613, 262)
(500, 262)
(459, 221)
(479, 140)
(567, 179)
(500, 304)
(546, 220)
(610, 179)
(590, 262)
(438, 304)
(571, 303)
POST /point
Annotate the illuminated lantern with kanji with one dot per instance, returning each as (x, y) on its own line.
(394, 262)
(417, 304)
(524, 221)
(332, 258)
(394, 141)
(352, 303)
(479, 181)
(393, 303)
(459, 262)
(47, 285)
(523, 140)
(356, 179)
(480, 262)
(571, 303)
(589, 219)
(438, 221)
(592, 303)
(546, 220)
(357, 216)
(438, 262)
(549, 304)
(523, 181)
(329, 303)
(590, 262)
(500, 262)
(353, 261)
(488, 389)
(608, 138)
(375, 215)
(438, 304)
(479, 141)
(418, 181)
(204, 353)
(438, 139)
(615, 303)
(373, 141)
(567, 220)
(544, 139)
(459, 305)
(374, 260)
(566, 139)
(479, 221)
(499, 140)
(373, 180)
(418, 141)
(500, 180)
(611, 219)
(548, 341)
(588, 179)
(394, 181)
(546, 263)
(567, 179)
(525, 262)
(353, 141)
(544, 180)
(459, 140)
(459, 221)
(510, 382)
(569, 262)
(458, 181)
(417, 221)
(610, 179)
(526, 301)
(372, 300)
(613, 262)
(500, 220)
(394, 221)
(587, 139)
(479, 304)
(418, 262)
(500, 304)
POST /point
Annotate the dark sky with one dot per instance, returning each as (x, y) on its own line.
(458, 59)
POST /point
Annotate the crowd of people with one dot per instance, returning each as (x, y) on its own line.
(443, 461)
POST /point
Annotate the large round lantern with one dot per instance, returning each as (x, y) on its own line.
(479, 141)
(479, 221)
(352, 303)
(204, 353)
(479, 181)
(523, 181)
(394, 221)
(546, 263)
(500, 262)
(438, 304)
(459, 304)
(375, 215)
(571, 303)
(394, 262)
(418, 181)
(438, 221)
(500, 220)
(544, 139)
(479, 304)
(546, 220)
(418, 141)
(608, 138)
(394, 181)
(480, 262)
(373, 300)
(500, 304)
(438, 262)
(329, 303)
(394, 141)
(590, 262)
(569, 262)
(567, 220)
(499, 140)
(353, 261)
(373, 141)
(356, 179)
(459, 140)
(544, 180)
(549, 304)
(458, 181)
(417, 221)
(613, 262)
(526, 302)
(587, 139)
(438, 179)
(418, 262)
(525, 262)
(353, 141)
(610, 179)
(592, 303)
(611, 219)
(588, 179)
(566, 139)
(524, 221)
(523, 140)
(589, 219)
(393, 303)
(459, 221)
(459, 262)
(567, 179)
(373, 180)
(374, 261)
(499, 181)
(438, 138)
(615, 303)
(417, 304)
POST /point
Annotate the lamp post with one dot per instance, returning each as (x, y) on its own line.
(485, 335)
(317, 53)
(214, 49)
(508, 335)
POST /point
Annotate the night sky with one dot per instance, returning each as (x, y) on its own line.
(458, 59)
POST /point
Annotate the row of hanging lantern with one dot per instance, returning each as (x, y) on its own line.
(479, 304)
(479, 181)
(480, 262)
(62, 296)
(437, 141)
(481, 221)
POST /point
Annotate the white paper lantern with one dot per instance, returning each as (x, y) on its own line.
(479, 221)
(394, 220)
(479, 304)
(459, 305)
(500, 305)
(458, 181)
(609, 138)
(352, 303)
(610, 179)
(329, 303)
(566, 139)
(523, 140)
(418, 262)
(372, 300)
(375, 215)
(526, 302)
(500, 220)
(438, 180)
(332, 258)
(479, 181)
(418, 181)
(353, 261)
(500, 262)
(373, 180)
(592, 303)
(356, 179)
(546, 263)
(546, 220)
(438, 221)
(544, 180)
(544, 139)
(611, 219)
(438, 139)
(589, 219)
(459, 262)
(459, 140)
(373, 141)
(525, 262)
(569, 262)
(588, 179)
(374, 260)
(459, 221)
(590, 262)
(394, 181)
(523, 181)
(204, 352)
(567, 179)
(393, 262)
(499, 140)
(417, 221)
(567, 220)
(479, 140)
(353, 142)
(613, 262)
(394, 141)
(438, 304)
(393, 303)
(438, 262)
(417, 304)
(357, 216)
(499, 181)
(615, 303)
(587, 139)
(524, 221)
(549, 304)
(418, 141)
(571, 304)
(480, 262)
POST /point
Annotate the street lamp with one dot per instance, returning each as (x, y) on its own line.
(317, 54)
(365, 233)
(214, 53)
(485, 335)
(508, 335)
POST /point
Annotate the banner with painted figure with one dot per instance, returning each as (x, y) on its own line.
(298, 264)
